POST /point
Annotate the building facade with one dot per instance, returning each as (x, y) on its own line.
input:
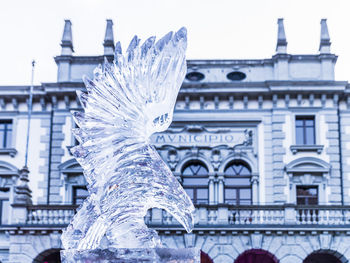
(261, 146)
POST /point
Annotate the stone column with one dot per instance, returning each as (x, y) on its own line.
(211, 190)
(255, 189)
(221, 189)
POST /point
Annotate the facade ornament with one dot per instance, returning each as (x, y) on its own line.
(323, 100)
(43, 104)
(54, 102)
(274, 100)
(216, 102)
(260, 101)
(287, 100)
(311, 99)
(173, 158)
(325, 40)
(66, 101)
(201, 102)
(108, 44)
(2, 104)
(187, 102)
(245, 102)
(67, 41)
(15, 103)
(216, 158)
(22, 193)
(299, 99)
(231, 101)
(281, 47)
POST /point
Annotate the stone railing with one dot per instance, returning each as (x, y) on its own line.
(50, 214)
(323, 215)
(220, 215)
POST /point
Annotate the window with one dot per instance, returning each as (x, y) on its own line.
(76, 142)
(195, 182)
(236, 76)
(195, 76)
(238, 189)
(79, 194)
(4, 206)
(307, 195)
(5, 133)
(305, 130)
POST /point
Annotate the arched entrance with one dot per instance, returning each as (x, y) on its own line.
(48, 256)
(325, 256)
(256, 256)
(205, 258)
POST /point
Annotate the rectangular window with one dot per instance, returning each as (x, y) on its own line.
(307, 195)
(305, 130)
(76, 142)
(4, 206)
(231, 196)
(79, 194)
(5, 133)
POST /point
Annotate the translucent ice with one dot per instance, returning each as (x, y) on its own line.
(126, 102)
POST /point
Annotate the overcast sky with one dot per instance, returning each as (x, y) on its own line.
(217, 29)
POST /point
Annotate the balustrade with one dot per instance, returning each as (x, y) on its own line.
(210, 215)
(50, 214)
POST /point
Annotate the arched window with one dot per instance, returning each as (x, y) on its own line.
(238, 190)
(195, 182)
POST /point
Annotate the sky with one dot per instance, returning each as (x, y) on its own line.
(217, 29)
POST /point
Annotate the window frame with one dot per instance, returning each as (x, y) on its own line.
(8, 133)
(196, 187)
(4, 196)
(238, 188)
(307, 197)
(304, 127)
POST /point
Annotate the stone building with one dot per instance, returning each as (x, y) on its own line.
(261, 146)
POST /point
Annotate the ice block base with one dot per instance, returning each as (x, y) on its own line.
(131, 255)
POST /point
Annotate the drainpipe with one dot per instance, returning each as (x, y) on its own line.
(340, 155)
(50, 153)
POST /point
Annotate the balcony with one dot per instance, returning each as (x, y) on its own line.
(216, 216)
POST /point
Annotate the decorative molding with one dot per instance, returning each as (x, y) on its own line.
(15, 103)
(66, 101)
(201, 102)
(216, 102)
(323, 100)
(231, 102)
(187, 102)
(299, 99)
(245, 102)
(54, 102)
(43, 104)
(10, 151)
(260, 101)
(2, 104)
(287, 100)
(311, 99)
(308, 165)
(274, 100)
(70, 166)
(216, 158)
(306, 148)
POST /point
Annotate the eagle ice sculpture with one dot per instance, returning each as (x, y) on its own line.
(126, 102)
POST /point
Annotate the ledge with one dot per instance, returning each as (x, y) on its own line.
(306, 148)
(10, 151)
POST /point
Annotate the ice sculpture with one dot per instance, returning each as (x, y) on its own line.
(126, 102)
